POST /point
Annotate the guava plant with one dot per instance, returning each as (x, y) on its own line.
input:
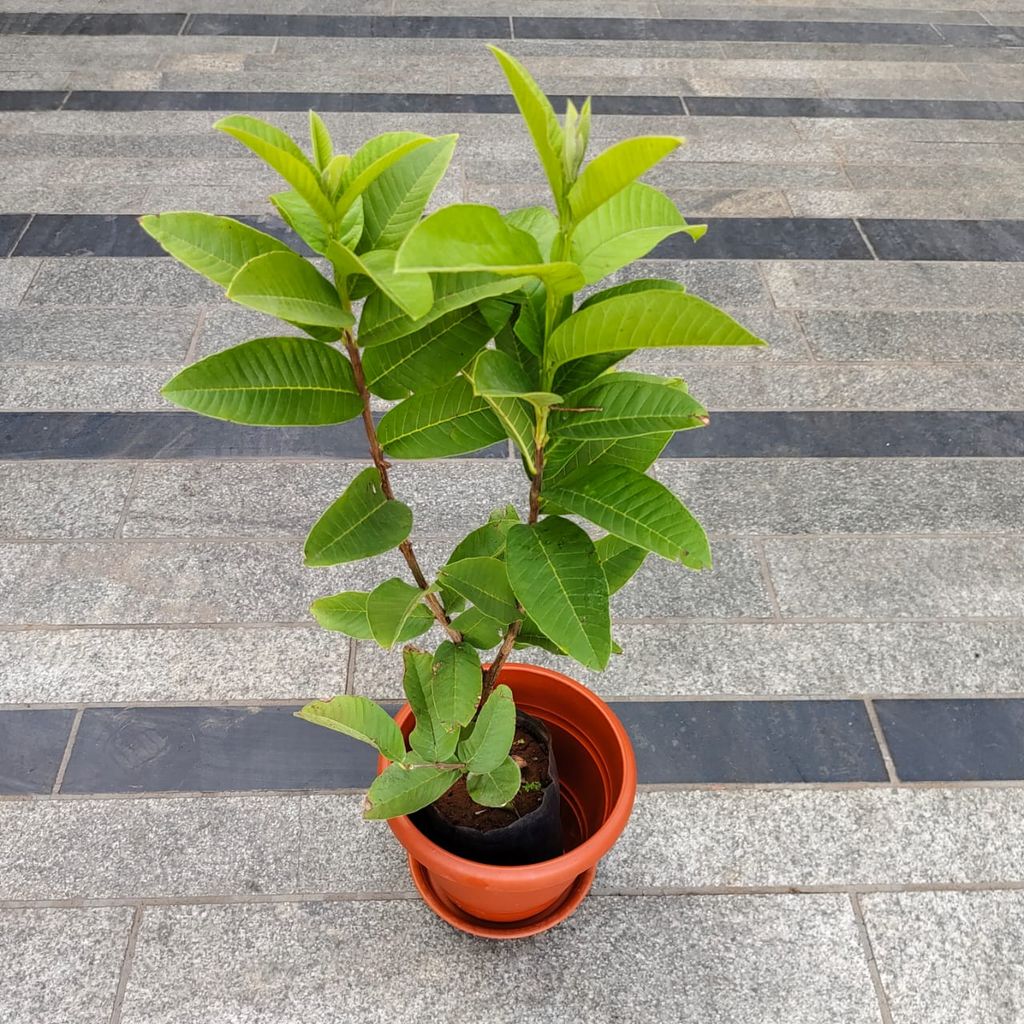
(470, 321)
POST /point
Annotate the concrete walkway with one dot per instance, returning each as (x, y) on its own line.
(830, 725)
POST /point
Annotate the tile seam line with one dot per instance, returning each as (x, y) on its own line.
(870, 962)
(882, 740)
(126, 965)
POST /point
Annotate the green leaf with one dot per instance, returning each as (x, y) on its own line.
(508, 342)
(427, 739)
(412, 293)
(628, 322)
(402, 790)
(487, 746)
(478, 629)
(564, 456)
(389, 607)
(615, 168)
(449, 420)
(372, 159)
(517, 421)
(643, 284)
(620, 560)
(281, 153)
(539, 222)
(216, 247)
(496, 788)
(361, 523)
(539, 115)
(497, 375)
(555, 573)
(625, 229)
(628, 407)
(360, 718)
(395, 200)
(320, 139)
(383, 321)
(346, 613)
(484, 582)
(269, 382)
(487, 541)
(455, 684)
(468, 237)
(636, 508)
(302, 219)
(285, 285)
(427, 358)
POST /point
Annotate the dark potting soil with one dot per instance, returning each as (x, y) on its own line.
(457, 807)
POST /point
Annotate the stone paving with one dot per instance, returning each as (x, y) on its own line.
(830, 725)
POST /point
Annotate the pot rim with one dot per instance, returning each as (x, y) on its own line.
(525, 877)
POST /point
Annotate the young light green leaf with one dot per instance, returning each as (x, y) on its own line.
(395, 200)
(412, 293)
(389, 608)
(626, 228)
(361, 523)
(615, 168)
(555, 573)
(402, 790)
(488, 744)
(302, 219)
(484, 582)
(427, 739)
(449, 420)
(468, 237)
(285, 285)
(537, 221)
(628, 322)
(539, 115)
(455, 684)
(216, 247)
(497, 375)
(360, 718)
(320, 139)
(636, 508)
(496, 788)
(281, 153)
(643, 284)
(619, 559)
(383, 321)
(372, 159)
(269, 382)
(625, 407)
(346, 613)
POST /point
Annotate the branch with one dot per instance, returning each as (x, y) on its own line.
(377, 454)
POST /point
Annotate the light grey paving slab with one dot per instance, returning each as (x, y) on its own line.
(62, 965)
(112, 583)
(933, 176)
(917, 153)
(808, 837)
(116, 281)
(873, 53)
(899, 203)
(732, 284)
(818, 496)
(877, 577)
(775, 660)
(111, 666)
(862, 286)
(896, 129)
(83, 387)
(285, 499)
(782, 11)
(106, 849)
(947, 336)
(15, 278)
(227, 324)
(790, 959)
(949, 956)
(90, 334)
(961, 386)
(51, 499)
(43, 198)
(124, 170)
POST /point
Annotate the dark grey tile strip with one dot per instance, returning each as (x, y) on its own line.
(766, 435)
(31, 749)
(98, 24)
(954, 740)
(186, 749)
(728, 238)
(813, 106)
(982, 35)
(174, 435)
(11, 227)
(350, 25)
(31, 99)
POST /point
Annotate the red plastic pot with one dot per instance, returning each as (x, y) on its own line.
(597, 769)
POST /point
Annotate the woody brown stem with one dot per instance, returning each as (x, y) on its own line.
(382, 464)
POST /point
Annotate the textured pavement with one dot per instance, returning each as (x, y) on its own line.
(830, 725)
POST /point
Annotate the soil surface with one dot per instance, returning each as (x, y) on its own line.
(457, 807)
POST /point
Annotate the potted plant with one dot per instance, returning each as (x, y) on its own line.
(505, 782)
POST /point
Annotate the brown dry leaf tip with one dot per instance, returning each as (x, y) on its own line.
(521, 761)
(367, 805)
(705, 420)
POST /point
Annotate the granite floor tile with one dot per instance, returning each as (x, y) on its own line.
(791, 959)
(872, 577)
(168, 846)
(15, 278)
(901, 204)
(84, 387)
(948, 955)
(113, 281)
(31, 748)
(165, 665)
(62, 965)
(11, 227)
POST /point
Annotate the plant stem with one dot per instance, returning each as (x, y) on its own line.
(377, 454)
